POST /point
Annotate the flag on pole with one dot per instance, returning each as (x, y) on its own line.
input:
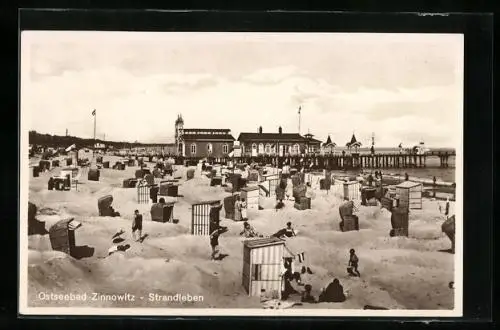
(300, 107)
(93, 113)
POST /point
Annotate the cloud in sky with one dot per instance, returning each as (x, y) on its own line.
(400, 89)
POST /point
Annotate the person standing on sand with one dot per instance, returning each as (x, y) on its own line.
(353, 262)
(237, 209)
(137, 225)
(447, 208)
(214, 243)
(243, 207)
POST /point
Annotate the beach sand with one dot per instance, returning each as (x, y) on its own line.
(396, 273)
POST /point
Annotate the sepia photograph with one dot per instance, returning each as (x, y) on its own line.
(242, 173)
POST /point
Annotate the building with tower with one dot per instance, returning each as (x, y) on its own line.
(202, 142)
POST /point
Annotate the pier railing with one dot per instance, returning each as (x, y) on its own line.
(320, 162)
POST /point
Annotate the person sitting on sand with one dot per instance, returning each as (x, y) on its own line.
(288, 276)
(285, 232)
(334, 292)
(353, 262)
(137, 225)
(249, 231)
(307, 297)
(116, 248)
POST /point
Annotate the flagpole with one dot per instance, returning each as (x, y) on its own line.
(95, 119)
(299, 119)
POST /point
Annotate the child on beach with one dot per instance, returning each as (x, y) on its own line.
(353, 263)
(287, 232)
(243, 207)
(214, 242)
(137, 225)
(249, 231)
(237, 209)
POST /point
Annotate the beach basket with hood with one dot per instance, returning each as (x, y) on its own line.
(31, 212)
(229, 206)
(448, 227)
(149, 179)
(349, 220)
(299, 191)
(93, 175)
(104, 206)
(399, 222)
(190, 174)
(295, 180)
(139, 174)
(162, 212)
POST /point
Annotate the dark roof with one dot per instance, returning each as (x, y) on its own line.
(261, 242)
(215, 137)
(329, 142)
(271, 137)
(313, 140)
(225, 130)
(353, 141)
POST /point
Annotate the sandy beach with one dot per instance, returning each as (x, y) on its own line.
(396, 273)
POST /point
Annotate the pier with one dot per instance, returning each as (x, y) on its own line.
(333, 162)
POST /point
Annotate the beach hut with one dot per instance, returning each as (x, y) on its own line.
(409, 194)
(162, 212)
(202, 213)
(262, 262)
(352, 190)
(62, 235)
(399, 221)
(251, 196)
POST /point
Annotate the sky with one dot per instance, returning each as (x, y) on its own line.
(400, 87)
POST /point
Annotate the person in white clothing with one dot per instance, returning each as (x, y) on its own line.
(243, 207)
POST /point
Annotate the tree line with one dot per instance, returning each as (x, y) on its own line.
(58, 141)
